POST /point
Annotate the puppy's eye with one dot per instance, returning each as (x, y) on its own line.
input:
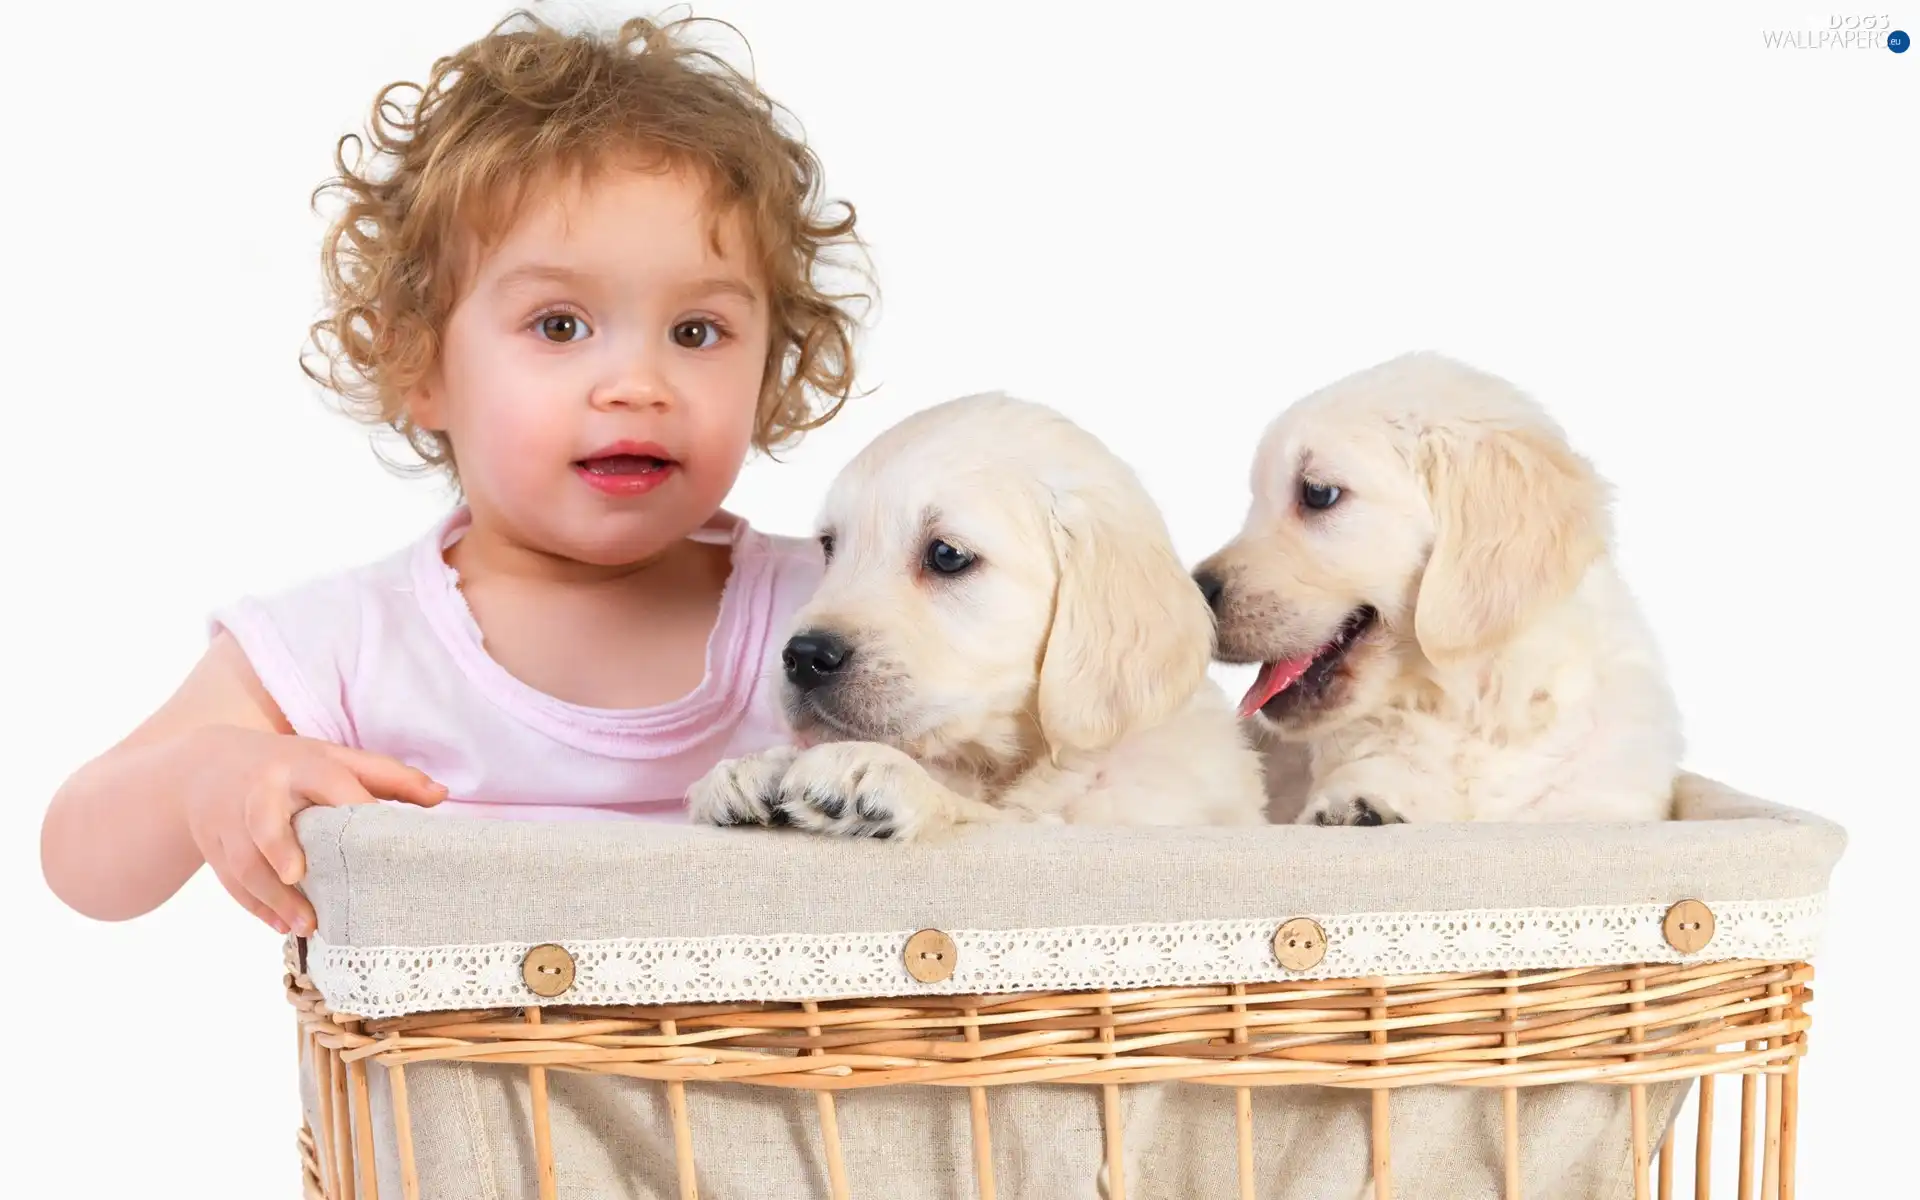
(826, 546)
(947, 559)
(1319, 495)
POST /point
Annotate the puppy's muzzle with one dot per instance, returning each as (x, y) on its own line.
(812, 659)
(1213, 588)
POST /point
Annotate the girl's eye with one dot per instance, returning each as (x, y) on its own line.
(695, 335)
(1319, 495)
(562, 327)
(948, 559)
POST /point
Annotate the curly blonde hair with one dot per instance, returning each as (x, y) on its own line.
(529, 103)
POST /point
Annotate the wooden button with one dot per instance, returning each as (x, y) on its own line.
(1300, 944)
(1689, 926)
(548, 970)
(931, 956)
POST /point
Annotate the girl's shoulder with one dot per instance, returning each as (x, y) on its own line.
(796, 559)
(397, 625)
(308, 640)
(792, 566)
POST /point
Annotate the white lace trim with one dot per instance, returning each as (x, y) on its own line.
(390, 981)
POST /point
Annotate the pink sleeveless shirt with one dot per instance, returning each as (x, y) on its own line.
(387, 658)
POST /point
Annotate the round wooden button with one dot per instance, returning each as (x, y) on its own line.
(1300, 944)
(931, 956)
(548, 970)
(1689, 926)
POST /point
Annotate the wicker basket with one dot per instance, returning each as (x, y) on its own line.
(584, 1010)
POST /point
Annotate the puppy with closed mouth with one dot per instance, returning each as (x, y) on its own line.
(1425, 577)
(1003, 632)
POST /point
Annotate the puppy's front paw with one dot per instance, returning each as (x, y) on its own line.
(1348, 810)
(862, 789)
(742, 791)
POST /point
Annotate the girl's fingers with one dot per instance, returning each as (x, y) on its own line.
(247, 902)
(250, 870)
(329, 781)
(270, 824)
(387, 778)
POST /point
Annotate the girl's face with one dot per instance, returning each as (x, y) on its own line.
(599, 375)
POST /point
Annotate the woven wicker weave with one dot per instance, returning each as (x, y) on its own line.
(1628, 1026)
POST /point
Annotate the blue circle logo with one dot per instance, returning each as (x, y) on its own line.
(1898, 40)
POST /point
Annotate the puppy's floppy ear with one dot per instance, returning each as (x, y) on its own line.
(1131, 635)
(1518, 518)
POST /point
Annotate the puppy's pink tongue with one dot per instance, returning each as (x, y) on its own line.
(1274, 678)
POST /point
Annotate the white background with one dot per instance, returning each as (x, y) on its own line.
(1697, 251)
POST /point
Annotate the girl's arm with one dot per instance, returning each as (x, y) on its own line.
(215, 776)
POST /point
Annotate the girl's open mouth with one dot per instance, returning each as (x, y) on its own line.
(626, 469)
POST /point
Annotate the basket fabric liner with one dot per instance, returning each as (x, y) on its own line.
(420, 912)
(612, 1138)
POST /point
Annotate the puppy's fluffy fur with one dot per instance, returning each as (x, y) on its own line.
(1059, 675)
(1430, 561)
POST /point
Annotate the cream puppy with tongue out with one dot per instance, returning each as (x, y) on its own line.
(1425, 576)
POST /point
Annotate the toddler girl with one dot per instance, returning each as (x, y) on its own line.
(583, 283)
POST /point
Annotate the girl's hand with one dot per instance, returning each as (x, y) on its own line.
(251, 783)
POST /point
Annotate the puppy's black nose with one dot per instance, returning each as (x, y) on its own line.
(812, 659)
(1212, 587)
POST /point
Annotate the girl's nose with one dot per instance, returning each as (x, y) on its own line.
(636, 382)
